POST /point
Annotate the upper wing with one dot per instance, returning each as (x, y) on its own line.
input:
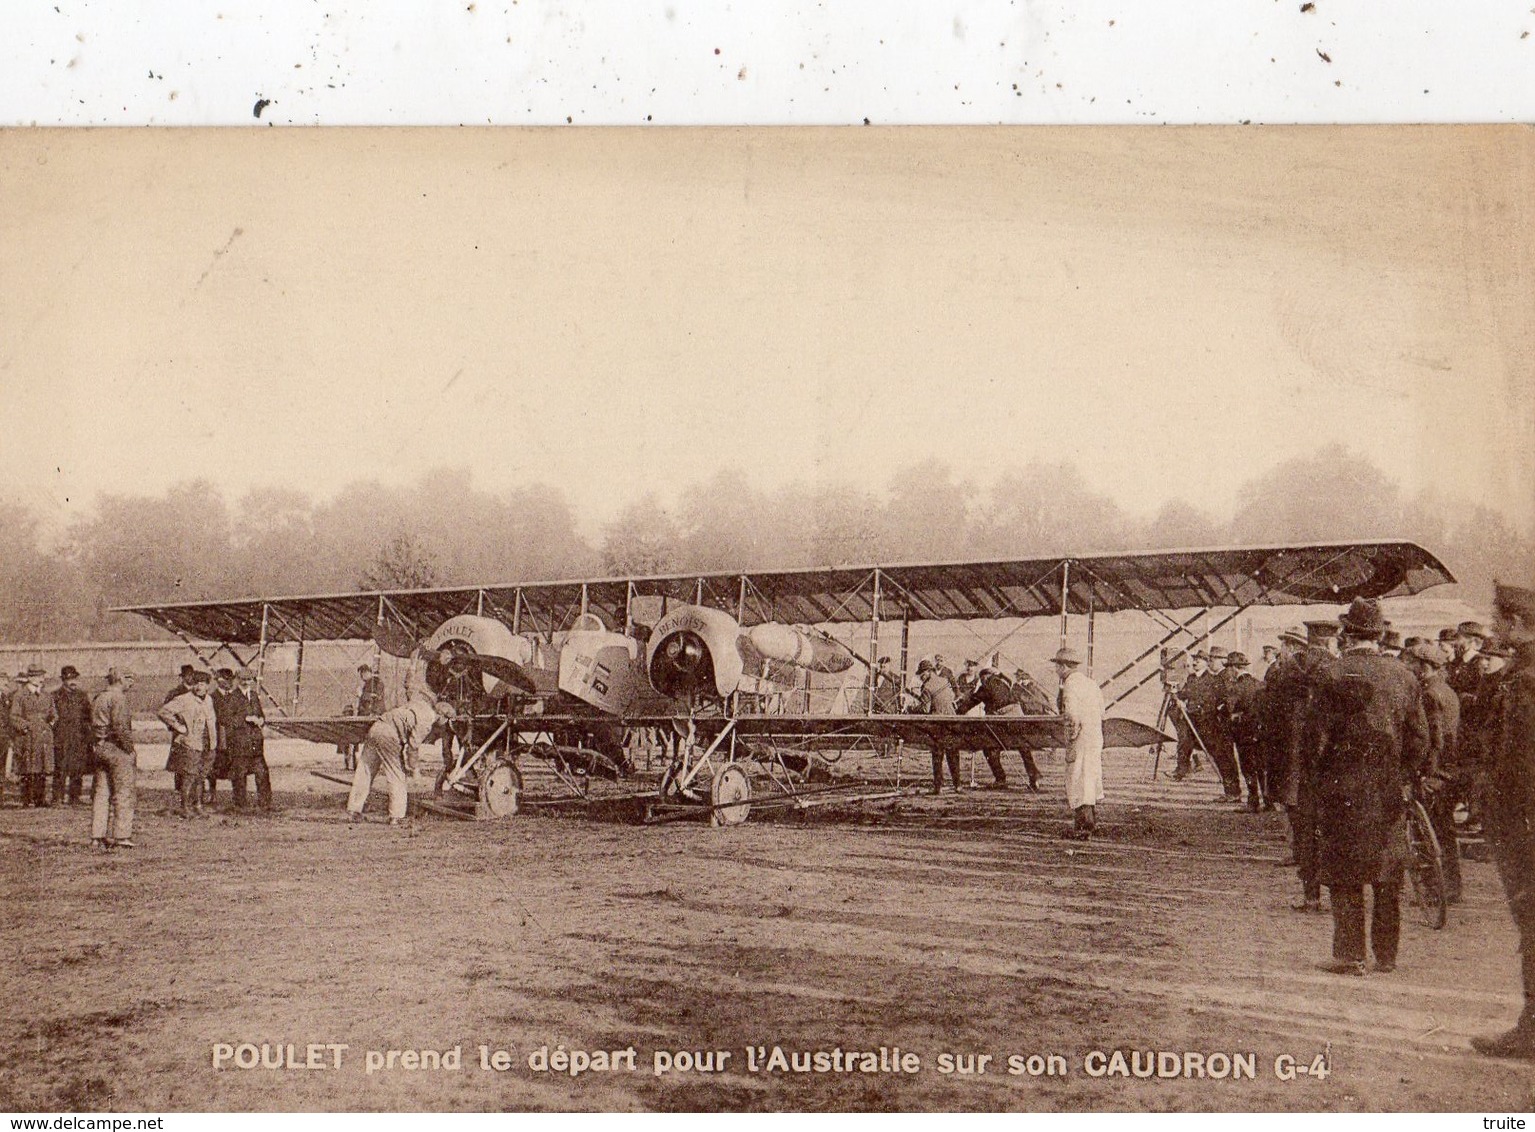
(1320, 573)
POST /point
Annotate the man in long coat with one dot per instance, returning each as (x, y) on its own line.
(71, 738)
(1082, 716)
(1374, 741)
(32, 719)
(240, 729)
(1240, 708)
(1511, 803)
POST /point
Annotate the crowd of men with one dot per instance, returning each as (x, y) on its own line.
(215, 723)
(1347, 725)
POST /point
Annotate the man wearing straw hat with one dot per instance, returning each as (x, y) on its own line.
(1082, 717)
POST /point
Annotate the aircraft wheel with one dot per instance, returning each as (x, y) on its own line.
(500, 792)
(730, 796)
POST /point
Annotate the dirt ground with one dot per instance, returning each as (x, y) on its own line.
(958, 925)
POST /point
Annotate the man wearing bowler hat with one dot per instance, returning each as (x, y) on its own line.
(1240, 695)
(1373, 743)
(71, 738)
(1082, 718)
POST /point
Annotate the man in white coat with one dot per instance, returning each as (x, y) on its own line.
(1081, 706)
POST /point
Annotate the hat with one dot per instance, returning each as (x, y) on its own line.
(1391, 639)
(1066, 655)
(187, 670)
(1364, 620)
(197, 678)
(1428, 653)
(225, 673)
(1020, 671)
(365, 667)
(1296, 634)
(1236, 660)
(883, 660)
(1217, 653)
(35, 672)
(68, 672)
(1495, 649)
(924, 666)
(1514, 601)
(1270, 648)
(116, 675)
(1200, 654)
(1471, 629)
(445, 709)
(244, 673)
(972, 664)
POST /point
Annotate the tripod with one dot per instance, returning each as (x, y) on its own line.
(1172, 707)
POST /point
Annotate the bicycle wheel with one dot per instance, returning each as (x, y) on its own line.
(1425, 869)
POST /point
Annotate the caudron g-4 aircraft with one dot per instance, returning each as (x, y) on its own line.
(740, 671)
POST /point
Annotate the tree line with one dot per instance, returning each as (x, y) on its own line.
(190, 543)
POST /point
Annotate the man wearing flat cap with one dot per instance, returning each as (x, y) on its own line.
(114, 788)
(1082, 718)
(1442, 783)
(71, 738)
(937, 698)
(194, 739)
(1511, 802)
(1374, 742)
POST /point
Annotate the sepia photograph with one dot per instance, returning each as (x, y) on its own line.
(768, 619)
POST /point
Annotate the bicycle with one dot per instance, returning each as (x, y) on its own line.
(1425, 867)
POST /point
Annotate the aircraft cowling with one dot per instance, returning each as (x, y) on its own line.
(502, 654)
(693, 652)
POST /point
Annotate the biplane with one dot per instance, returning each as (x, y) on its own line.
(747, 674)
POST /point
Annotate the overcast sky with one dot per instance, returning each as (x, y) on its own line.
(1176, 310)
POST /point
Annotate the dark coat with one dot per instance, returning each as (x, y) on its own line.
(370, 697)
(1442, 707)
(71, 732)
(1511, 774)
(992, 692)
(1374, 739)
(1239, 705)
(32, 731)
(1286, 695)
(1202, 696)
(243, 740)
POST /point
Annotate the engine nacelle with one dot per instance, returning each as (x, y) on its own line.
(693, 652)
(500, 654)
